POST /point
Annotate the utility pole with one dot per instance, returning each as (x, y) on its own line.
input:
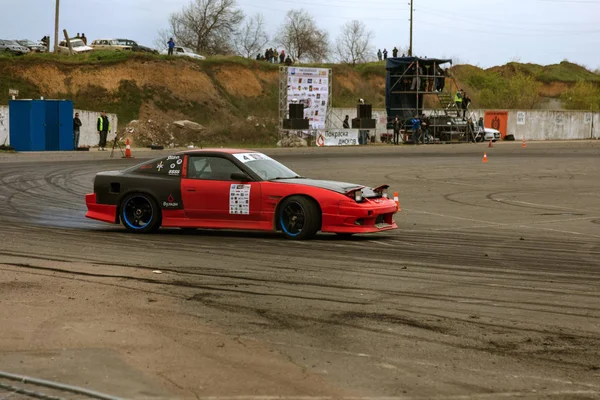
(410, 47)
(56, 26)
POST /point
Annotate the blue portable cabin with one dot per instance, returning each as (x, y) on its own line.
(41, 125)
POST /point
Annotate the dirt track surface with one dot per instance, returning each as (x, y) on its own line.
(490, 289)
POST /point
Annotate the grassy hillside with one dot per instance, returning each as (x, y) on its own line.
(235, 98)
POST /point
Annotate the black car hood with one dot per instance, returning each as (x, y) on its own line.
(339, 187)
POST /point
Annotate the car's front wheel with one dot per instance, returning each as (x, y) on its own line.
(140, 213)
(299, 218)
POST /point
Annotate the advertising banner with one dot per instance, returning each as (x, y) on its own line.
(310, 86)
(339, 137)
(497, 120)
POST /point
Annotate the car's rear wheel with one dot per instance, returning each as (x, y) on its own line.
(140, 213)
(299, 218)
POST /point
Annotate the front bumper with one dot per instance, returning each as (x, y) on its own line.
(100, 212)
(367, 217)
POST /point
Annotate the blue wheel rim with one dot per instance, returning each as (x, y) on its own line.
(137, 212)
(292, 218)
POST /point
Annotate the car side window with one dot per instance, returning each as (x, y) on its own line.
(211, 168)
(180, 50)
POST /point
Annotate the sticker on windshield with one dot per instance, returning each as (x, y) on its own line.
(239, 199)
(247, 157)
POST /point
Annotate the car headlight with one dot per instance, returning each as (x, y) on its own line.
(358, 196)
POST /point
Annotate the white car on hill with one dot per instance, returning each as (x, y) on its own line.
(77, 44)
(184, 51)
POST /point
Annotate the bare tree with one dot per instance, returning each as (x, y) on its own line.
(301, 38)
(206, 26)
(251, 38)
(353, 45)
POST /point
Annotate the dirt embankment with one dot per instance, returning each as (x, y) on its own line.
(236, 101)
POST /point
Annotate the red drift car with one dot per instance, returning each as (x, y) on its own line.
(235, 189)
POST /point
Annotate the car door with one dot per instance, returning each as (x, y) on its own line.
(210, 195)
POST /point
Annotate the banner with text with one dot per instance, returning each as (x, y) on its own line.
(340, 137)
(310, 86)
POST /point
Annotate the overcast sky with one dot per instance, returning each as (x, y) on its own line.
(480, 32)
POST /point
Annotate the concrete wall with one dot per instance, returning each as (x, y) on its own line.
(88, 135)
(539, 124)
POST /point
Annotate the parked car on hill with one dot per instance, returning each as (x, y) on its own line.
(109, 44)
(184, 51)
(10, 46)
(34, 47)
(135, 47)
(77, 44)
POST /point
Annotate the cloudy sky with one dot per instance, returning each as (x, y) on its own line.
(481, 32)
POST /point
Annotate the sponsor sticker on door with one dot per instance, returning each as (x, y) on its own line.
(239, 199)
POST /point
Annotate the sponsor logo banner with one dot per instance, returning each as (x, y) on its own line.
(339, 137)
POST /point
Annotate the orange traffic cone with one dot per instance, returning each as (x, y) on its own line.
(127, 149)
(523, 145)
(491, 144)
(484, 157)
(397, 201)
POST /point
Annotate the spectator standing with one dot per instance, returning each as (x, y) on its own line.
(458, 101)
(84, 39)
(282, 57)
(288, 61)
(395, 52)
(465, 104)
(416, 129)
(385, 54)
(274, 56)
(425, 128)
(267, 54)
(103, 127)
(76, 130)
(396, 127)
(171, 44)
(416, 80)
(346, 124)
(78, 36)
(379, 55)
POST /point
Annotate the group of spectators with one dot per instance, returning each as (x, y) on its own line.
(420, 129)
(462, 100)
(273, 56)
(383, 55)
(428, 77)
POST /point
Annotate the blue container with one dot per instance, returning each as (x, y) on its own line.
(38, 125)
(27, 125)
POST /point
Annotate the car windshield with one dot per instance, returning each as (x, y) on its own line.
(187, 50)
(265, 167)
(11, 42)
(77, 43)
(26, 42)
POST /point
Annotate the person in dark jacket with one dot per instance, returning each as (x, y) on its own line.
(76, 130)
(84, 39)
(171, 44)
(385, 54)
(282, 57)
(347, 122)
(395, 52)
(396, 125)
(288, 61)
(103, 127)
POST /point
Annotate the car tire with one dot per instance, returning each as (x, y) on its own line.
(299, 218)
(139, 213)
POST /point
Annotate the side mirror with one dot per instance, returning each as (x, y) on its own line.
(239, 176)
